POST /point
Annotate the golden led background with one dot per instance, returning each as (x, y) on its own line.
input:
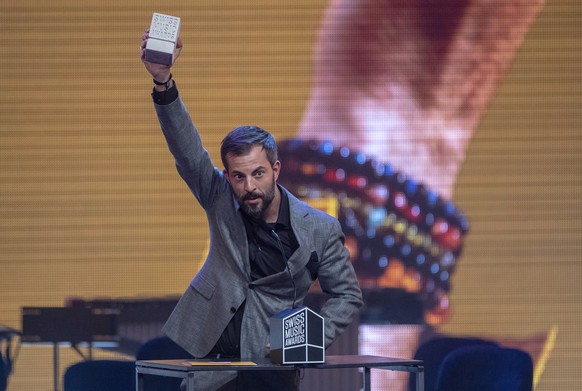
(91, 205)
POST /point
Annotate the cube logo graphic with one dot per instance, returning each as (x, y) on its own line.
(297, 337)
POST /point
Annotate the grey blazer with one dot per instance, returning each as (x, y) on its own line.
(223, 282)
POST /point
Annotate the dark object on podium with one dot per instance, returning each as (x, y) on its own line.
(68, 324)
(297, 337)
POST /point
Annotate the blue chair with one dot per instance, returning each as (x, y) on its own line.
(434, 351)
(117, 375)
(161, 348)
(486, 368)
(100, 375)
(6, 354)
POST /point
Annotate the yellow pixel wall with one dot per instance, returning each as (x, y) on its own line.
(91, 205)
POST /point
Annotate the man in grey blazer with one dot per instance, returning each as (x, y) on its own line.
(266, 248)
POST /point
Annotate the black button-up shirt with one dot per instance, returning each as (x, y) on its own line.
(270, 246)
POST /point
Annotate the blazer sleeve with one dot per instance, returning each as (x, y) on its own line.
(338, 282)
(192, 160)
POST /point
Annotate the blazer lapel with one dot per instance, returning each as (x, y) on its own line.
(239, 241)
(303, 232)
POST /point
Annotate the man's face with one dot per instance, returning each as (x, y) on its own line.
(253, 181)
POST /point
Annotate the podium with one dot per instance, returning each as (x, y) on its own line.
(185, 368)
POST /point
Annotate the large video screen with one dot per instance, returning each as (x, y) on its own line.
(445, 136)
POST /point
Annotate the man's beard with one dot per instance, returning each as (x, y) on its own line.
(256, 211)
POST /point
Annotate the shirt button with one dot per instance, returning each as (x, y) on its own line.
(232, 310)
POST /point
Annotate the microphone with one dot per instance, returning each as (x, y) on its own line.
(285, 260)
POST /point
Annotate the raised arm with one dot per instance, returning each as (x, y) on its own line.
(192, 159)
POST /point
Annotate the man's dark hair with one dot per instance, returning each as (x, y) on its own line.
(241, 140)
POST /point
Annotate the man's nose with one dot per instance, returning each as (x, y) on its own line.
(249, 184)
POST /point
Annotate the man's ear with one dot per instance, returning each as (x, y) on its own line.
(277, 169)
(225, 172)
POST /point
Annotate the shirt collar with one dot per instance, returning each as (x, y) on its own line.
(284, 218)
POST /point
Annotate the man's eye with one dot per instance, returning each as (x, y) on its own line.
(259, 174)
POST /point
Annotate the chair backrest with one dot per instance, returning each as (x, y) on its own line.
(6, 354)
(433, 353)
(116, 375)
(100, 375)
(486, 368)
(161, 348)
(3, 374)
